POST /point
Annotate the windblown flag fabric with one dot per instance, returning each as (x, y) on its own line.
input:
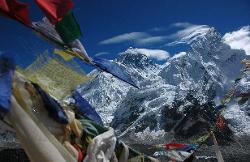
(84, 108)
(6, 76)
(175, 145)
(5, 91)
(54, 108)
(180, 146)
(47, 31)
(114, 69)
(16, 10)
(55, 10)
(220, 123)
(68, 28)
(59, 14)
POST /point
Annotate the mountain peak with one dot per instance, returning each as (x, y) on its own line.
(209, 40)
(133, 58)
(205, 72)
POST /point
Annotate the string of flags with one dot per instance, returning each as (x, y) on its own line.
(50, 132)
(61, 28)
(178, 151)
(178, 146)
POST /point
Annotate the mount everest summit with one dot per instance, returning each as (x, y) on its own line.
(198, 77)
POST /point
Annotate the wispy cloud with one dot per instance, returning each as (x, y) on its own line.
(101, 53)
(151, 40)
(133, 36)
(239, 39)
(157, 29)
(181, 24)
(153, 53)
(178, 55)
(188, 33)
(137, 38)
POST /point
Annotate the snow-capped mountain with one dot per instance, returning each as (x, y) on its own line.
(105, 92)
(205, 72)
(209, 64)
(238, 110)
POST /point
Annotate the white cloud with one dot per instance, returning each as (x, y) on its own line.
(178, 55)
(101, 53)
(239, 39)
(133, 36)
(188, 33)
(151, 40)
(182, 24)
(157, 29)
(137, 38)
(153, 53)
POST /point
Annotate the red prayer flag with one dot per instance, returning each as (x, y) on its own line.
(174, 145)
(55, 9)
(80, 153)
(16, 10)
(220, 123)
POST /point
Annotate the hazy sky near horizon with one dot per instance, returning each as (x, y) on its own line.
(112, 26)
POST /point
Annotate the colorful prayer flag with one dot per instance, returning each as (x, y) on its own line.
(16, 10)
(175, 145)
(65, 55)
(114, 69)
(55, 10)
(220, 123)
(68, 28)
(6, 77)
(84, 108)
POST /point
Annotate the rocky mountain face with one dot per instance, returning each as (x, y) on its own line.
(238, 110)
(192, 80)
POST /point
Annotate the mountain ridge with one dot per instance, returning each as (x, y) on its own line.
(206, 71)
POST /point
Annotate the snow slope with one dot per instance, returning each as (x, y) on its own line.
(206, 72)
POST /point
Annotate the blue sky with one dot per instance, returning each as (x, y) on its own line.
(111, 26)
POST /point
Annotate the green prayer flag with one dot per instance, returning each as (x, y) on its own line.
(68, 28)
